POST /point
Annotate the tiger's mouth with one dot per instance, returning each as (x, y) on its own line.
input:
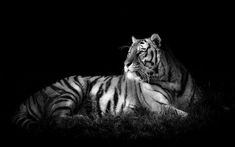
(133, 76)
(131, 73)
(139, 72)
(136, 74)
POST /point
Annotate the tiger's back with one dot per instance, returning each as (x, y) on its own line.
(104, 95)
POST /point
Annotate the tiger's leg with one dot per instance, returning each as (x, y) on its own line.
(63, 110)
(157, 102)
(163, 109)
(178, 111)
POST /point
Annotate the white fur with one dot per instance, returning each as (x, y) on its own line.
(132, 76)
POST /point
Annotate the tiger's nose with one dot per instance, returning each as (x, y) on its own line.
(126, 66)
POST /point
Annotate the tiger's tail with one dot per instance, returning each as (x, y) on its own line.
(30, 112)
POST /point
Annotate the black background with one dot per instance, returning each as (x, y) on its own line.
(46, 42)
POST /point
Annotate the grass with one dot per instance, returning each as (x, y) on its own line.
(211, 120)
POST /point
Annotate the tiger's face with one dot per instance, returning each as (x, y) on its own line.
(143, 58)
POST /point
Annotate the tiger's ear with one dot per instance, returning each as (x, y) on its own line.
(133, 39)
(156, 39)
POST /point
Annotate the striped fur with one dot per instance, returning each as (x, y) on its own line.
(152, 80)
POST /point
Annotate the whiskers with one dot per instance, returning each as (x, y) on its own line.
(140, 71)
(124, 47)
(135, 67)
(144, 76)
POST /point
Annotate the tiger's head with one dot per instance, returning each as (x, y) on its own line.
(143, 58)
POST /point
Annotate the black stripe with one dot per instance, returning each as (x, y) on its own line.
(125, 96)
(74, 90)
(62, 108)
(88, 88)
(159, 102)
(108, 107)
(169, 92)
(29, 105)
(193, 97)
(142, 94)
(144, 97)
(25, 123)
(40, 109)
(115, 99)
(150, 60)
(183, 82)
(65, 92)
(170, 76)
(21, 120)
(119, 85)
(77, 82)
(106, 78)
(32, 104)
(170, 95)
(125, 92)
(60, 100)
(57, 89)
(90, 85)
(151, 52)
(67, 97)
(122, 107)
(60, 82)
(94, 82)
(108, 83)
(135, 90)
(145, 54)
(98, 95)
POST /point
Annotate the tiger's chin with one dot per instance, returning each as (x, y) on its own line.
(132, 76)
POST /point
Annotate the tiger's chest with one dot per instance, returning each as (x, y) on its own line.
(152, 97)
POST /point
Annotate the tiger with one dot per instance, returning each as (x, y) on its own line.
(152, 79)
